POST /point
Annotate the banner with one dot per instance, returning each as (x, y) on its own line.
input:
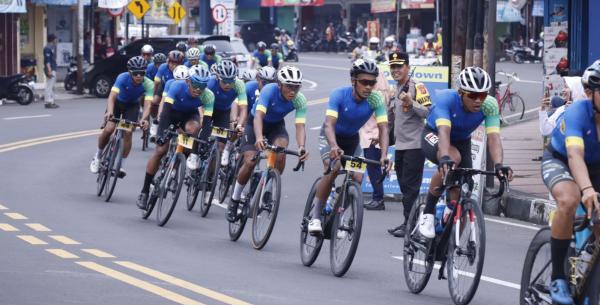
(417, 4)
(12, 6)
(372, 29)
(434, 78)
(383, 6)
(291, 2)
(112, 3)
(507, 13)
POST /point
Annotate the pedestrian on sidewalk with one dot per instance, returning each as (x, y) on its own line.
(330, 38)
(410, 105)
(50, 71)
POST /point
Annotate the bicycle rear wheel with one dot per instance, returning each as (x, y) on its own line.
(228, 176)
(173, 184)
(266, 206)
(346, 229)
(465, 260)
(593, 292)
(209, 180)
(310, 245)
(103, 170)
(537, 270)
(418, 264)
(512, 109)
(114, 169)
(193, 188)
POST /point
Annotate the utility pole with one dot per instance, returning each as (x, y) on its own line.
(446, 35)
(478, 39)
(490, 63)
(470, 33)
(79, 46)
(459, 11)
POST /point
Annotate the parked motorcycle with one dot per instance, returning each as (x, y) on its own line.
(28, 68)
(16, 87)
(71, 78)
(346, 42)
(292, 53)
(520, 54)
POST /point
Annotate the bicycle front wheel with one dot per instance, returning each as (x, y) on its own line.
(593, 293)
(174, 181)
(266, 205)
(466, 253)
(512, 109)
(103, 170)
(418, 264)
(537, 271)
(114, 169)
(346, 229)
(209, 180)
(310, 245)
(228, 176)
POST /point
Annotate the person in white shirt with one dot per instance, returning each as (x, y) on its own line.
(573, 91)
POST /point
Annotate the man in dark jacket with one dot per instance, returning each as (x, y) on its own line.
(50, 71)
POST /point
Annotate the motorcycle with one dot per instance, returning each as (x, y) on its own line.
(292, 53)
(520, 54)
(16, 87)
(71, 78)
(28, 68)
(346, 42)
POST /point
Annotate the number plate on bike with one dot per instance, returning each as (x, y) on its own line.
(219, 132)
(125, 126)
(356, 166)
(185, 141)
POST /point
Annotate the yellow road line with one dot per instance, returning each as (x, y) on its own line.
(182, 283)
(38, 227)
(62, 253)
(3, 207)
(63, 239)
(7, 227)
(32, 240)
(15, 216)
(167, 294)
(98, 253)
(46, 138)
(49, 141)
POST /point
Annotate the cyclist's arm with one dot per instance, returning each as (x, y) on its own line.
(148, 97)
(300, 105)
(261, 110)
(242, 101)
(492, 129)
(577, 164)
(441, 113)
(330, 122)
(208, 102)
(381, 117)
(110, 102)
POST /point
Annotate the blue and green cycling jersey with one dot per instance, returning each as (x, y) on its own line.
(351, 114)
(168, 86)
(275, 107)
(448, 110)
(276, 59)
(215, 60)
(577, 128)
(263, 59)
(224, 99)
(163, 74)
(151, 70)
(252, 93)
(181, 99)
(128, 92)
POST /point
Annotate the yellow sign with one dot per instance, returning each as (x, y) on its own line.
(138, 8)
(176, 12)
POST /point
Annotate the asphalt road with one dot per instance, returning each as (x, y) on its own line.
(60, 244)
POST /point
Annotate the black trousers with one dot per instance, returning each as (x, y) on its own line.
(409, 166)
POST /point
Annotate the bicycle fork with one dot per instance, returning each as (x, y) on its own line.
(458, 225)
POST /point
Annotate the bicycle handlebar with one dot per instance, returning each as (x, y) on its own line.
(361, 159)
(470, 172)
(582, 222)
(282, 150)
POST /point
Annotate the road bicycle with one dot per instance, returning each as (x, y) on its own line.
(510, 104)
(227, 173)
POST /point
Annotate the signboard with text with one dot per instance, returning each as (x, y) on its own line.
(383, 6)
(12, 6)
(291, 2)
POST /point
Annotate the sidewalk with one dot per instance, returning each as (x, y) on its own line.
(59, 92)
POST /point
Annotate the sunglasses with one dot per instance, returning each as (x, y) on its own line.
(228, 81)
(366, 82)
(476, 95)
(294, 88)
(199, 86)
(138, 73)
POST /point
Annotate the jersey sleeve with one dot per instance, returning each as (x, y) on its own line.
(118, 86)
(333, 105)
(149, 69)
(148, 89)
(492, 115)
(172, 94)
(573, 128)
(441, 111)
(208, 102)
(240, 88)
(218, 58)
(300, 104)
(377, 103)
(159, 73)
(280, 56)
(269, 56)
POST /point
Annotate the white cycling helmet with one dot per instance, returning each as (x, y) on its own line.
(147, 49)
(198, 69)
(193, 53)
(248, 75)
(267, 73)
(474, 79)
(429, 36)
(181, 72)
(289, 75)
(226, 69)
(374, 40)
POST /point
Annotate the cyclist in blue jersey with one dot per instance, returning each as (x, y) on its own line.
(157, 60)
(266, 121)
(147, 52)
(276, 55)
(447, 135)
(571, 171)
(210, 56)
(248, 75)
(124, 102)
(164, 73)
(261, 57)
(349, 108)
(182, 109)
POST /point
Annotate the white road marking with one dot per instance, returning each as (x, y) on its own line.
(311, 85)
(471, 275)
(322, 66)
(316, 127)
(518, 225)
(27, 117)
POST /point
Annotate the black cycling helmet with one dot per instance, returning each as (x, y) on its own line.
(275, 46)
(364, 66)
(176, 57)
(591, 76)
(137, 63)
(261, 45)
(160, 58)
(210, 49)
(181, 46)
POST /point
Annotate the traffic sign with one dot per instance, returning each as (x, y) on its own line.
(219, 13)
(176, 12)
(138, 8)
(116, 11)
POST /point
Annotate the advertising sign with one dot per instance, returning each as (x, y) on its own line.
(383, 6)
(417, 4)
(12, 6)
(291, 2)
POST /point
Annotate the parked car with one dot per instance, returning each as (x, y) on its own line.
(252, 31)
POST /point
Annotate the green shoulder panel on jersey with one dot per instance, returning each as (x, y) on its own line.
(377, 103)
(208, 101)
(148, 88)
(218, 58)
(492, 115)
(300, 104)
(240, 88)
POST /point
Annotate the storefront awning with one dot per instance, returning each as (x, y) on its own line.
(59, 2)
(291, 2)
(12, 6)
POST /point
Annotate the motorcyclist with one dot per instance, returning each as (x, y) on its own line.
(373, 52)
(429, 45)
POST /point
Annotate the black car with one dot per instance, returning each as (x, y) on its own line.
(100, 76)
(254, 31)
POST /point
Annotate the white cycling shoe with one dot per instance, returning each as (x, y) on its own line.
(426, 225)
(192, 162)
(314, 227)
(95, 165)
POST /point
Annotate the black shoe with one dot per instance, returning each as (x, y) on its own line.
(51, 106)
(398, 231)
(122, 173)
(142, 201)
(232, 210)
(375, 205)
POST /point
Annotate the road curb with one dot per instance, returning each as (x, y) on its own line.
(520, 206)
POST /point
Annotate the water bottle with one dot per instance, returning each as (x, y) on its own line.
(329, 204)
(439, 213)
(585, 259)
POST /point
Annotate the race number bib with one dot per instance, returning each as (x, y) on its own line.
(123, 125)
(185, 141)
(356, 166)
(219, 132)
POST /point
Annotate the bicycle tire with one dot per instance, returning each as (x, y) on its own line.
(354, 198)
(145, 139)
(101, 179)
(175, 180)
(260, 240)
(114, 170)
(237, 228)
(512, 109)
(208, 185)
(309, 252)
(541, 238)
(226, 183)
(193, 188)
(415, 286)
(463, 299)
(594, 285)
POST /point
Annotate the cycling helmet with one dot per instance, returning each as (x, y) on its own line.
(374, 40)
(591, 76)
(248, 75)
(176, 57)
(227, 69)
(290, 76)
(147, 49)
(261, 45)
(137, 63)
(213, 69)
(197, 79)
(389, 40)
(429, 37)
(193, 53)
(200, 72)
(364, 66)
(180, 72)
(160, 58)
(267, 73)
(275, 46)
(210, 49)
(181, 46)
(474, 79)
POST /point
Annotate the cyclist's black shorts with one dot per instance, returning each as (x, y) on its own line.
(555, 169)
(170, 116)
(221, 119)
(350, 145)
(160, 89)
(271, 131)
(128, 111)
(429, 145)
